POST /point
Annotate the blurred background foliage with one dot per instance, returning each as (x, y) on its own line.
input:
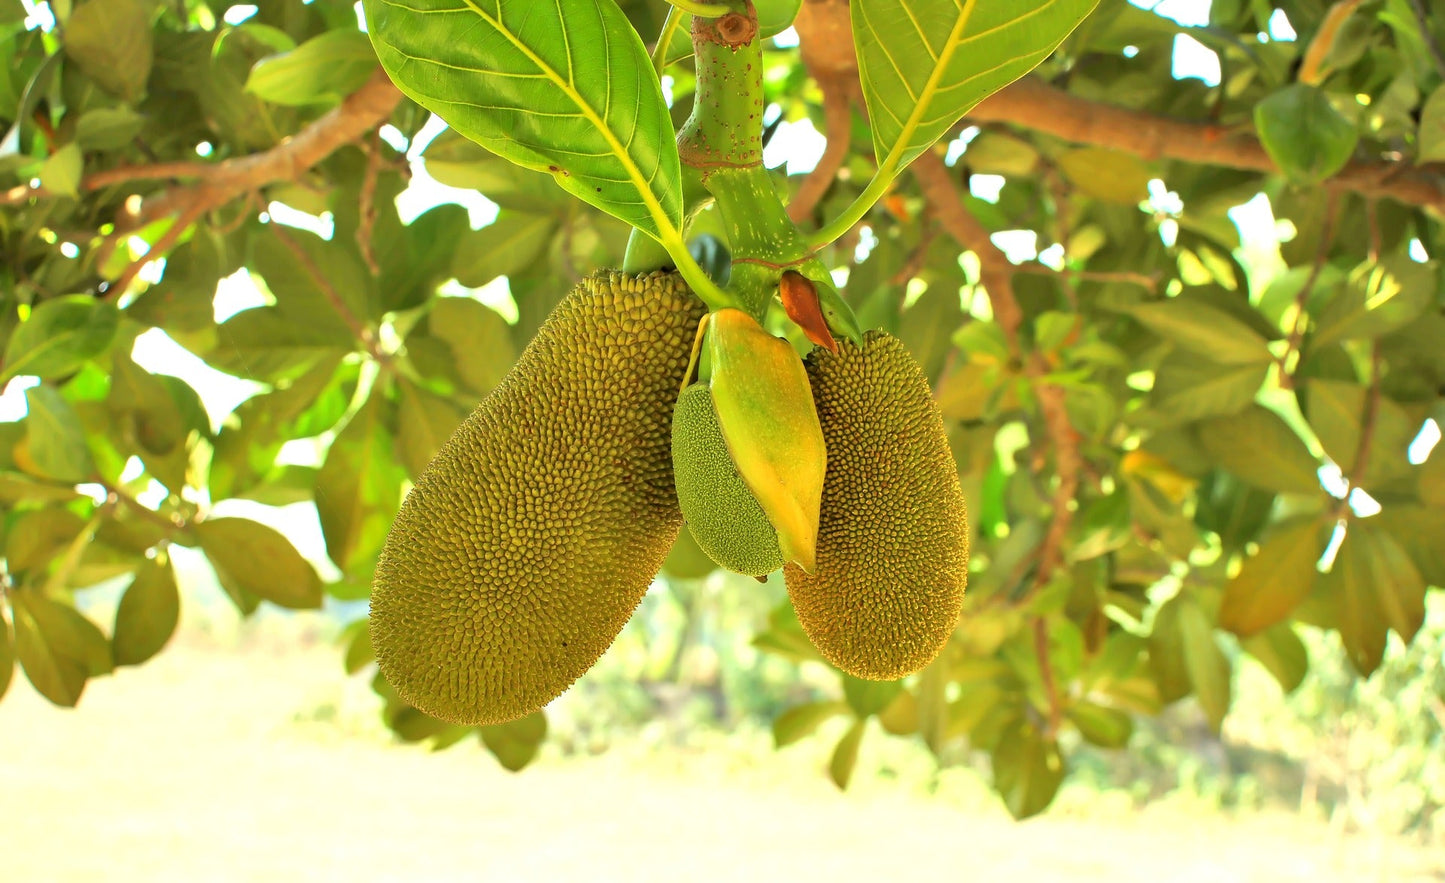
(1178, 292)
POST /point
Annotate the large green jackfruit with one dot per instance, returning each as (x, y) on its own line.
(892, 533)
(533, 534)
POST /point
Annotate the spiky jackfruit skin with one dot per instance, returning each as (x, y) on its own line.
(722, 514)
(533, 534)
(892, 531)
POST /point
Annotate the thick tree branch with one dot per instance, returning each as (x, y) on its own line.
(1032, 104)
(838, 97)
(996, 274)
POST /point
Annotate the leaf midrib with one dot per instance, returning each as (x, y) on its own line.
(644, 187)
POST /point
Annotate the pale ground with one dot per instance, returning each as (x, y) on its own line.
(214, 765)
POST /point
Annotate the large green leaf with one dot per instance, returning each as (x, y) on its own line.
(111, 42)
(1274, 580)
(1303, 132)
(1260, 448)
(516, 743)
(1373, 587)
(58, 647)
(35, 536)
(147, 615)
(327, 67)
(1375, 300)
(565, 88)
(925, 63)
(358, 489)
(1027, 770)
(845, 755)
(260, 561)
(1282, 652)
(59, 336)
(509, 245)
(1205, 331)
(479, 339)
(869, 697)
(1206, 663)
(55, 437)
(1336, 412)
(424, 421)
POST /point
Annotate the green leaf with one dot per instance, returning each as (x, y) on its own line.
(1303, 132)
(516, 743)
(325, 68)
(1418, 530)
(845, 755)
(148, 613)
(259, 560)
(359, 651)
(687, 560)
(358, 489)
(424, 421)
(1205, 331)
(1335, 413)
(55, 437)
(1432, 478)
(108, 128)
(36, 536)
(509, 245)
(61, 171)
(1206, 663)
(1027, 770)
(1282, 653)
(1102, 726)
(869, 697)
(58, 647)
(60, 335)
(1261, 449)
(1372, 588)
(1189, 387)
(1110, 175)
(571, 94)
(925, 63)
(110, 40)
(480, 341)
(1375, 300)
(457, 162)
(1274, 580)
(7, 655)
(1430, 143)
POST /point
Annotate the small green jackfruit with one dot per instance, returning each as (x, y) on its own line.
(892, 533)
(533, 534)
(721, 513)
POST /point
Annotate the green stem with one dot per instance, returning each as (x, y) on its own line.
(855, 212)
(644, 254)
(664, 40)
(726, 125)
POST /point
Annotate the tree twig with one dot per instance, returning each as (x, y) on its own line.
(1301, 317)
(1143, 280)
(1046, 674)
(189, 215)
(359, 329)
(838, 128)
(1367, 436)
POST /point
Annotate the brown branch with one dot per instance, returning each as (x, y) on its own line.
(1032, 104)
(1301, 317)
(1046, 674)
(838, 98)
(358, 328)
(189, 215)
(996, 274)
(1367, 436)
(361, 111)
(366, 205)
(170, 523)
(123, 174)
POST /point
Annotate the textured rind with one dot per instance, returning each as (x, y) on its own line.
(724, 517)
(531, 537)
(892, 533)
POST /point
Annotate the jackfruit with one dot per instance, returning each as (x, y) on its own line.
(533, 534)
(721, 513)
(892, 535)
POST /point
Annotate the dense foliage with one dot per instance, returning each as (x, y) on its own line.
(1179, 447)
